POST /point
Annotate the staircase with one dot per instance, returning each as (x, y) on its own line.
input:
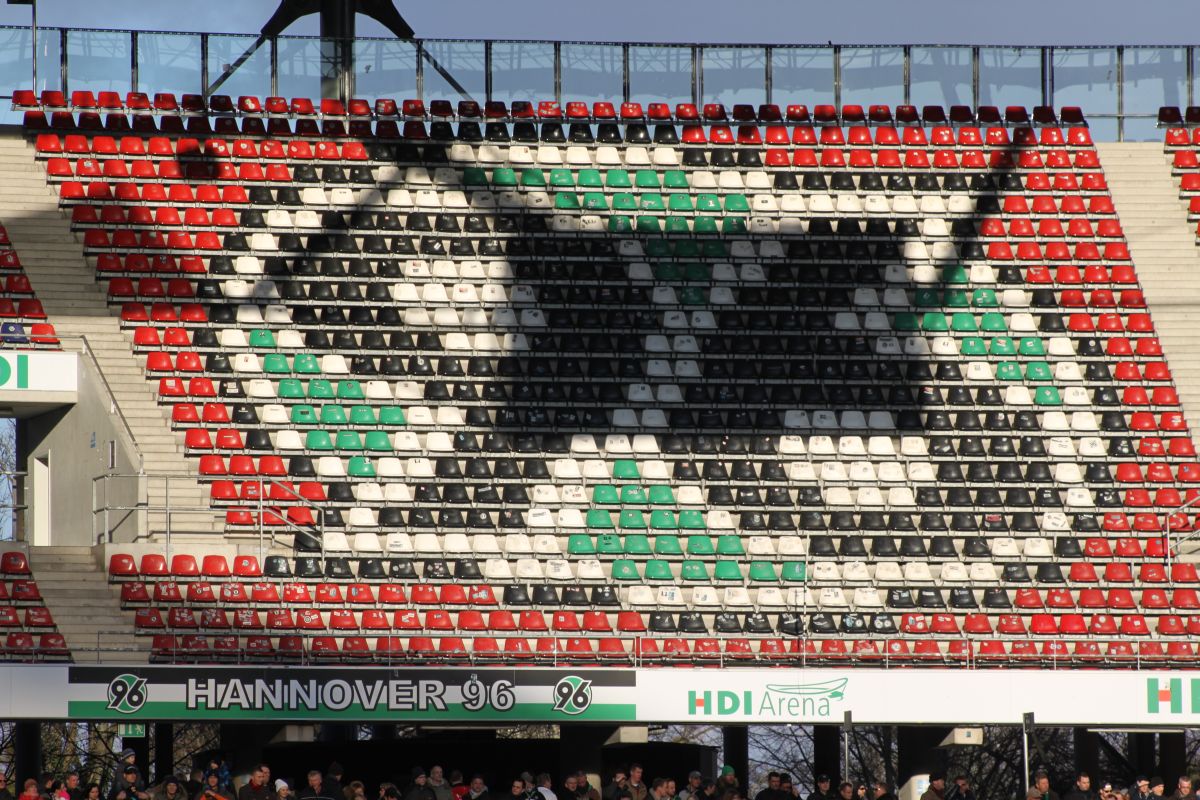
(66, 284)
(1163, 245)
(85, 608)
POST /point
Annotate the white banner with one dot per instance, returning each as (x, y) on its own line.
(898, 696)
(39, 372)
(1059, 697)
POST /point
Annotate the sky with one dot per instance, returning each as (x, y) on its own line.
(1017, 22)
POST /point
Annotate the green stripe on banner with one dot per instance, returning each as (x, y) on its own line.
(601, 712)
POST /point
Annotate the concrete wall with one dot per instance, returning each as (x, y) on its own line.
(76, 442)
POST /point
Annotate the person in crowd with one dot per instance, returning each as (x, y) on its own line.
(960, 789)
(419, 789)
(213, 790)
(128, 758)
(620, 780)
(458, 786)
(637, 787)
(170, 789)
(333, 780)
(1106, 791)
(937, 787)
(92, 792)
(1157, 786)
(727, 780)
(1082, 789)
(824, 790)
(769, 792)
(882, 791)
(74, 790)
(282, 790)
(316, 788)
(1041, 782)
(517, 790)
(691, 789)
(257, 788)
(845, 790)
(583, 789)
(5, 792)
(218, 767)
(1183, 789)
(860, 791)
(194, 782)
(129, 786)
(788, 790)
(478, 790)
(708, 789)
(1140, 789)
(357, 790)
(30, 790)
(439, 784)
(542, 784)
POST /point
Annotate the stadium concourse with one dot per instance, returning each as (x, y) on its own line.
(460, 416)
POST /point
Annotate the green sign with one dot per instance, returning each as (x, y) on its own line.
(131, 730)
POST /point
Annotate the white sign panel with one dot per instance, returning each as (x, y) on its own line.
(765, 696)
(39, 372)
(1060, 697)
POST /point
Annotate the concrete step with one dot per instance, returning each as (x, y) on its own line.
(1162, 242)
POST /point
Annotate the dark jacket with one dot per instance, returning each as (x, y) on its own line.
(251, 792)
(309, 793)
(416, 792)
(1077, 794)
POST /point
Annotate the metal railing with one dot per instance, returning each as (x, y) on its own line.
(1119, 87)
(634, 655)
(150, 518)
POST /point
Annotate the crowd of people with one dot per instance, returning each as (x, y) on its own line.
(216, 782)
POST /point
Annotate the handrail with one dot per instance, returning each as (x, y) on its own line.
(168, 509)
(1167, 515)
(87, 351)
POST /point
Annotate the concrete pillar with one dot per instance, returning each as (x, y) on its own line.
(581, 746)
(916, 750)
(243, 743)
(164, 750)
(1087, 753)
(1172, 759)
(1141, 753)
(735, 740)
(827, 752)
(27, 751)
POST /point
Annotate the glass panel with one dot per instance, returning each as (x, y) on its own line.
(1088, 79)
(940, 76)
(169, 62)
(299, 67)
(801, 75)
(97, 61)
(15, 66)
(385, 68)
(462, 61)
(1154, 76)
(872, 75)
(1010, 76)
(734, 75)
(660, 74)
(252, 78)
(522, 71)
(592, 72)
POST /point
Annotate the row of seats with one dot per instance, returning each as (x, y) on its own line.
(167, 648)
(1029, 145)
(166, 103)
